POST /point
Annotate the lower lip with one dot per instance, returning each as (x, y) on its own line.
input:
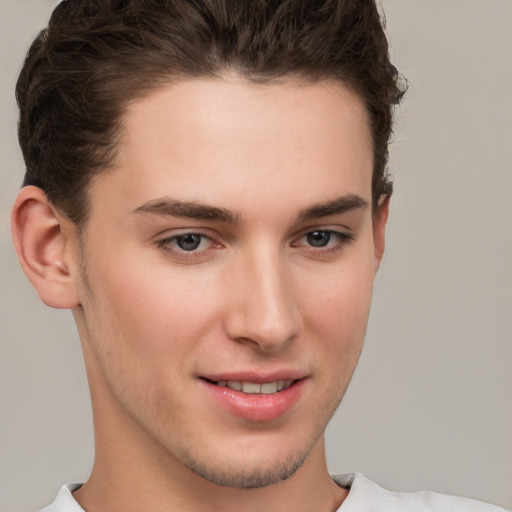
(256, 407)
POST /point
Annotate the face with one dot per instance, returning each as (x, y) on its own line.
(226, 274)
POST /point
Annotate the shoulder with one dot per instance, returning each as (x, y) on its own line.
(370, 497)
(64, 502)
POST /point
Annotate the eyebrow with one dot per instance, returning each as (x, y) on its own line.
(166, 206)
(336, 206)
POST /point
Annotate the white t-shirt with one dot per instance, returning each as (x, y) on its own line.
(364, 496)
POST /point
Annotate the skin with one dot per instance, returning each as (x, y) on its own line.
(257, 295)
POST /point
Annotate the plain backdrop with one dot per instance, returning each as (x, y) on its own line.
(430, 405)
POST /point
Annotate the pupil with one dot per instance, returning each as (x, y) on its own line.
(319, 238)
(188, 242)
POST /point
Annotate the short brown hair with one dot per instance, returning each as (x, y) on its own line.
(97, 55)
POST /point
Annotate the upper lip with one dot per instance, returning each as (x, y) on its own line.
(258, 377)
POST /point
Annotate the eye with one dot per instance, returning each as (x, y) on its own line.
(324, 240)
(186, 244)
(318, 238)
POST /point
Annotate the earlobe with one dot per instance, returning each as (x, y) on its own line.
(380, 219)
(44, 248)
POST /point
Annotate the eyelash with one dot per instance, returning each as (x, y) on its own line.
(169, 245)
(341, 240)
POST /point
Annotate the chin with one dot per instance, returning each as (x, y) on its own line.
(255, 477)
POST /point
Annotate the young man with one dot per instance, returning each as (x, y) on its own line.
(206, 190)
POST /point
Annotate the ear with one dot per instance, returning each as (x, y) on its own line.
(45, 244)
(380, 219)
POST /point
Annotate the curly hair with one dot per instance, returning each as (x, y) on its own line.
(96, 56)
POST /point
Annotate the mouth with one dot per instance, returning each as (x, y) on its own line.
(255, 388)
(256, 398)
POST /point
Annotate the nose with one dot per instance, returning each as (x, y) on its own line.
(262, 308)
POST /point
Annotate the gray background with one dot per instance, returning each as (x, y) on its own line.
(430, 405)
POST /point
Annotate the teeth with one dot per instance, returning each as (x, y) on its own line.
(268, 388)
(251, 387)
(233, 384)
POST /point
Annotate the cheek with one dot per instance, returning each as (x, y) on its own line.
(338, 302)
(336, 317)
(147, 311)
(143, 326)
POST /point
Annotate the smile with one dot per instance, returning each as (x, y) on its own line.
(253, 388)
(256, 398)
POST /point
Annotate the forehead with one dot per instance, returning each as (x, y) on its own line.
(233, 142)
